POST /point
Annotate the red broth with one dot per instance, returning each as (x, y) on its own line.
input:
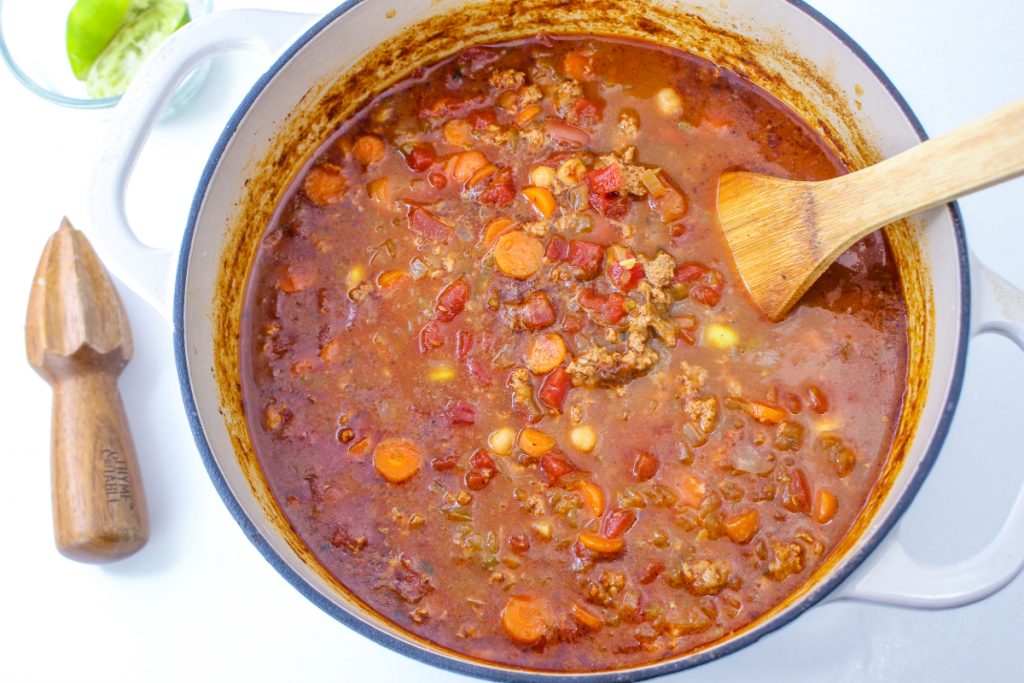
(505, 384)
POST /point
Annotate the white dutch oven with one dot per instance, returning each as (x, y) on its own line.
(782, 44)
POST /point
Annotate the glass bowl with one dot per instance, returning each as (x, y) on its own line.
(32, 43)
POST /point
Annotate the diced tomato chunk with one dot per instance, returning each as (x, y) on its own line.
(606, 195)
(482, 470)
(424, 224)
(519, 544)
(451, 300)
(554, 388)
(604, 309)
(446, 463)
(651, 572)
(501, 191)
(431, 337)
(588, 112)
(460, 412)
(617, 522)
(437, 180)
(475, 480)
(585, 259)
(463, 344)
(690, 271)
(420, 157)
(481, 118)
(625, 279)
(555, 468)
(479, 372)
(606, 179)
(706, 284)
(708, 290)
(571, 324)
(614, 205)
(622, 268)
(557, 249)
(482, 461)
(560, 130)
(535, 312)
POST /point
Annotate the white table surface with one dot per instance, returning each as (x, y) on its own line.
(200, 603)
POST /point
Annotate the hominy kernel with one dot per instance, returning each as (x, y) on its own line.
(502, 440)
(583, 438)
(542, 176)
(669, 102)
(571, 172)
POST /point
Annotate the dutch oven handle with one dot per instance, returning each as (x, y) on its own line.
(148, 271)
(891, 576)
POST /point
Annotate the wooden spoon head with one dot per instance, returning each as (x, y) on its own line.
(770, 226)
(75, 316)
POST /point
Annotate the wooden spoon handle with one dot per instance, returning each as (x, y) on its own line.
(99, 512)
(979, 154)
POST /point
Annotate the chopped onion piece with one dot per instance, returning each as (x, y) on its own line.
(653, 183)
(746, 458)
(418, 267)
(578, 197)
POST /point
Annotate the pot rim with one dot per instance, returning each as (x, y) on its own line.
(458, 663)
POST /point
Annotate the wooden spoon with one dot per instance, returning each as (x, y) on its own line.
(783, 234)
(78, 339)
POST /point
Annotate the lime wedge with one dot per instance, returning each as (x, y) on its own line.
(91, 26)
(140, 35)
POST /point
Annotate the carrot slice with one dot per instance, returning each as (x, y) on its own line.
(545, 353)
(600, 544)
(585, 617)
(542, 199)
(325, 184)
(396, 459)
(481, 175)
(692, 491)
(764, 413)
(368, 149)
(388, 278)
(496, 228)
(593, 496)
(742, 527)
(535, 442)
(377, 190)
(527, 114)
(525, 619)
(825, 506)
(518, 255)
(463, 165)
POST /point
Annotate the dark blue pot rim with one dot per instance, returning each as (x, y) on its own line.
(458, 665)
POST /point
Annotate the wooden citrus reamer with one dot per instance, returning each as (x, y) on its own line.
(783, 234)
(77, 337)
